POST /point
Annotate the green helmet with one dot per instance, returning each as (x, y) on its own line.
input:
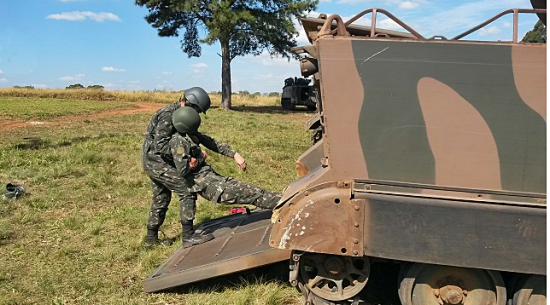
(197, 96)
(186, 120)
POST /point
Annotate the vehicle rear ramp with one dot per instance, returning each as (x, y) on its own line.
(241, 242)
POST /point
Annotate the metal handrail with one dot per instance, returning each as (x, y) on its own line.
(374, 11)
(516, 11)
(341, 27)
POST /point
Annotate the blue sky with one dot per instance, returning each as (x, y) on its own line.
(56, 43)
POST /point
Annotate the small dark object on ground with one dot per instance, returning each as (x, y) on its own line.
(13, 191)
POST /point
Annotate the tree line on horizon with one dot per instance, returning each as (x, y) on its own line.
(241, 93)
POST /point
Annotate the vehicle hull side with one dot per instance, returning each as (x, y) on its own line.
(454, 114)
(457, 233)
(449, 114)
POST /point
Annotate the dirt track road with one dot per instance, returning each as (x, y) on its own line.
(141, 108)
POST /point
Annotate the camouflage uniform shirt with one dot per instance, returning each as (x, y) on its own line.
(155, 150)
(211, 185)
(181, 148)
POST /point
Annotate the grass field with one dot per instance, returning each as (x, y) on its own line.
(76, 237)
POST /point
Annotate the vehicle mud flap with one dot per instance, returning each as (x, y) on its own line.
(241, 242)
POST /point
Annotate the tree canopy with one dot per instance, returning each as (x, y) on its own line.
(537, 34)
(75, 86)
(240, 26)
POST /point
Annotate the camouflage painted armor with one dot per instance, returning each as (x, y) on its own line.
(211, 185)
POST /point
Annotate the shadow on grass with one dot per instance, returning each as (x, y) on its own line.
(267, 109)
(35, 143)
(277, 273)
(381, 288)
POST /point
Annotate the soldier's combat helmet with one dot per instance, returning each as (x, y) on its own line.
(197, 96)
(186, 120)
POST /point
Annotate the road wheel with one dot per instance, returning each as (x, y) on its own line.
(531, 291)
(333, 278)
(423, 284)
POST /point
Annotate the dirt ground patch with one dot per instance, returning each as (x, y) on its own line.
(141, 108)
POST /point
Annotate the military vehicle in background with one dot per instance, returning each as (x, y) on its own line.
(430, 155)
(298, 92)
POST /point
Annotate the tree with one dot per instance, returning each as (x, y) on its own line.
(100, 87)
(537, 34)
(240, 26)
(75, 86)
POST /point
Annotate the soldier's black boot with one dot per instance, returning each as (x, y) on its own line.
(190, 238)
(152, 238)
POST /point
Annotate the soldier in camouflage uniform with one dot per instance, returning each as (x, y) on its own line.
(200, 177)
(165, 178)
(156, 160)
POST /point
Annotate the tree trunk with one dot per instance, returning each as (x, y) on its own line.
(226, 75)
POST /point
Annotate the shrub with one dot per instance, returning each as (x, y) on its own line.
(75, 86)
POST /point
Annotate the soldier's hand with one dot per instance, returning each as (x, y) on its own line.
(204, 154)
(193, 163)
(240, 161)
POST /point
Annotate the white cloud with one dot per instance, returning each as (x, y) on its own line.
(1, 72)
(265, 59)
(198, 67)
(351, 1)
(489, 31)
(408, 5)
(507, 25)
(79, 16)
(3, 79)
(167, 73)
(301, 39)
(451, 20)
(266, 76)
(389, 24)
(112, 69)
(72, 78)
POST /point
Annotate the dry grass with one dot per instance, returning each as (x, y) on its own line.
(136, 96)
(76, 237)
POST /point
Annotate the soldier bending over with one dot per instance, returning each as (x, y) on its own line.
(197, 176)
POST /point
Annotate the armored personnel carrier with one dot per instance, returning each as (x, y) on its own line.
(298, 92)
(430, 155)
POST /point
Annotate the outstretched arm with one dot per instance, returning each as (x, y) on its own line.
(219, 147)
(214, 145)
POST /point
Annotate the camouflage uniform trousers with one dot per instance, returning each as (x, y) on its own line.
(227, 190)
(163, 184)
(216, 188)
